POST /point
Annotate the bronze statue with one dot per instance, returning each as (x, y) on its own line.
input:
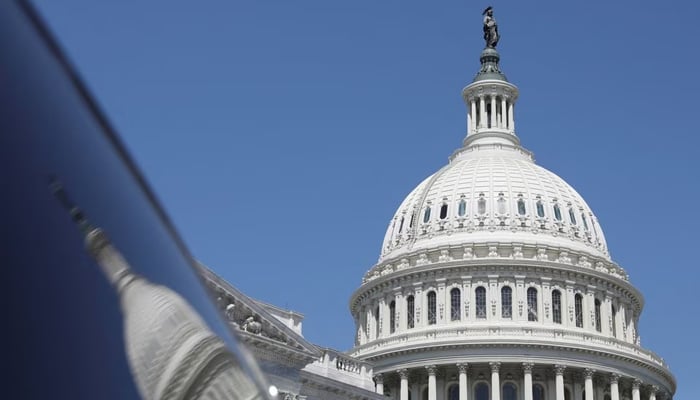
(491, 35)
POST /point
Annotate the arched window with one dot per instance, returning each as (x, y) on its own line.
(481, 391)
(501, 204)
(410, 312)
(521, 206)
(572, 217)
(426, 215)
(432, 308)
(401, 225)
(537, 392)
(481, 205)
(376, 322)
(583, 219)
(567, 394)
(455, 304)
(557, 212)
(443, 211)
(392, 317)
(510, 392)
(480, 302)
(556, 306)
(614, 319)
(462, 208)
(578, 309)
(506, 302)
(540, 209)
(532, 304)
(453, 392)
(425, 396)
(413, 219)
(598, 326)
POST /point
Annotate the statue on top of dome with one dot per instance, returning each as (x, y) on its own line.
(491, 35)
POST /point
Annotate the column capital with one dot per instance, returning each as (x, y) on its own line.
(559, 369)
(588, 373)
(432, 369)
(654, 389)
(636, 383)
(463, 367)
(495, 366)
(403, 373)
(527, 367)
(379, 378)
(614, 378)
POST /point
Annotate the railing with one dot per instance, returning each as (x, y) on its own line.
(342, 367)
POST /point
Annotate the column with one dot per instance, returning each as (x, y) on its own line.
(403, 374)
(473, 126)
(469, 118)
(527, 374)
(635, 389)
(383, 318)
(442, 304)
(379, 384)
(503, 121)
(614, 389)
(588, 376)
(546, 316)
(606, 315)
(568, 310)
(482, 112)
(511, 121)
(495, 381)
(400, 311)
(652, 392)
(559, 381)
(493, 111)
(589, 310)
(463, 383)
(432, 387)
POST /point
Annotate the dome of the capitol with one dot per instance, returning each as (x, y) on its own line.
(494, 280)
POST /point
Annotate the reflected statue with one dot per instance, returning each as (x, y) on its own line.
(491, 35)
(172, 353)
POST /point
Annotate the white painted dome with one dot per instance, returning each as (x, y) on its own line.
(493, 194)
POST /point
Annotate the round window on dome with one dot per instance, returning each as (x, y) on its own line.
(443, 211)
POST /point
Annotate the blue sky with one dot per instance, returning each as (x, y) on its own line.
(281, 136)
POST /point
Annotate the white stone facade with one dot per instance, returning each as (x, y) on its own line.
(495, 282)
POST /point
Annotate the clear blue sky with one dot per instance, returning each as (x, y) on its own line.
(281, 135)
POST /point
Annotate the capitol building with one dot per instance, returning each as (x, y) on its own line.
(494, 282)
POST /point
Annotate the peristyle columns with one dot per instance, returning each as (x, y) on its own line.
(432, 386)
(527, 378)
(559, 381)
(588, 376)
(403, 374)
(495, 381)
(463, 383)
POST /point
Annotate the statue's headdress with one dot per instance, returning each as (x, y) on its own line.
(487, 10)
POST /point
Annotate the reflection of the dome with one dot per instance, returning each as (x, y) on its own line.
(171, 352)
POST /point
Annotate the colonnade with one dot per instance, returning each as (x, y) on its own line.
(527, 381)
(599, 311)
(490, 111)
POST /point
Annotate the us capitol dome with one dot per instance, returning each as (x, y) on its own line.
(495, 282)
